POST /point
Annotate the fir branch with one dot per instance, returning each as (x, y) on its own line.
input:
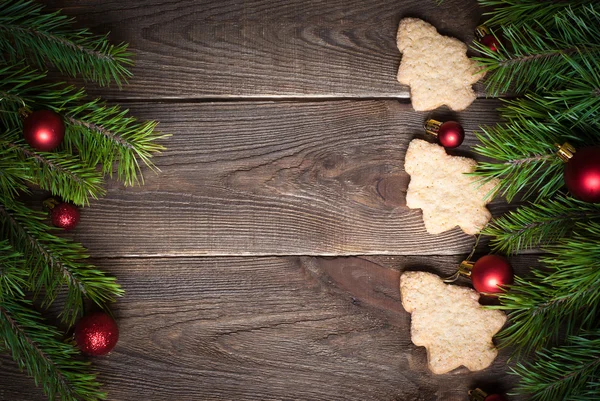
(106, 135)
(13, 278)
(14, 173)
(518, 12)
(539, 223)
(22, 90)
(96, 132)
(561, 373)
(575, 104)
(563, 298)
(28, 33)
(36, 347)
(576, 264)
(528, 165)
(539, 58)
(53, 262)
(62, 174)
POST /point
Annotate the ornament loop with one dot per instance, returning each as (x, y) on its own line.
(565, 151)
(452, 278)
(464, 269)
(477, 395)
(432, 126)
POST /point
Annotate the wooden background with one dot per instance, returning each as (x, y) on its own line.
(263, 262)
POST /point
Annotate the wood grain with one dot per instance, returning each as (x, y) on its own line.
(265, 48)
(270, 328)
(228, 295)
(276, 178)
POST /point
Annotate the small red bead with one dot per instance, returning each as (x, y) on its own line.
(451, 134)
(582, 174)
(65, 215)
(489, 272)
(43, 130)
(490, 42)
(96, 334)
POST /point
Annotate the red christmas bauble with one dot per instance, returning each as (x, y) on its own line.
(65, 215)
(96, 334)
(582, 174)
(494, 397)
(491, 42)
(43, 130)
(489, 272)
(451, 134)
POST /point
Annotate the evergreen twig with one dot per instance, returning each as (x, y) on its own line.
(540, 57)
(61, 173)
(99, 134)
(527, 166)
(13, 279)
(37, 348)
(518, 12)
(54, 263)
(564, 297)
(550, 53)
(28, 33)
(539, 223)
(567, 372)
(99, 139)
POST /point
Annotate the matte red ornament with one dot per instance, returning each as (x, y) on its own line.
(450, 134)
(43, 130)
(96, 334)
(65, 215)
(582, 174)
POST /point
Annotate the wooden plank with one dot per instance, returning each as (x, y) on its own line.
(276, 178)
(265, 48)
(291, 328)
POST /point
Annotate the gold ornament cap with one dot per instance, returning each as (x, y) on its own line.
(465, 268)
(432, 127)
(565, 151)
(50, 203)
(482, 31)
(477, 395)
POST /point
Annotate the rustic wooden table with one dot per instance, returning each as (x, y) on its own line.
(263, 262)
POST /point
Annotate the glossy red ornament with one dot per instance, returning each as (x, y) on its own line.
(450, 134)
(43, 130)
(65, 215)
(486, 38)
(96, 334)
(494, 397)
(489, 272)
(491, 42)
(582, 174)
